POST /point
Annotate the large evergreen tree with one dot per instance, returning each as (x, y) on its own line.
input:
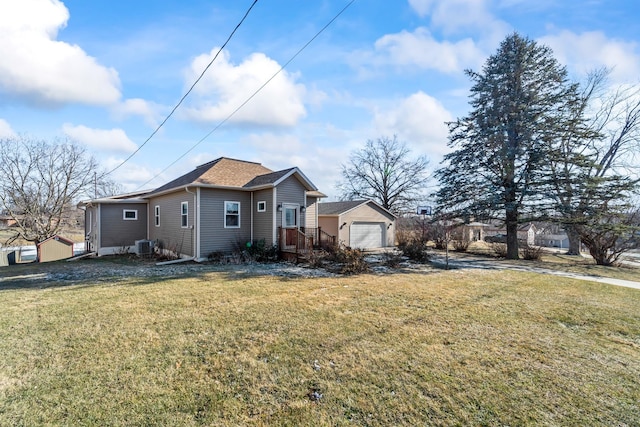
(520, 102)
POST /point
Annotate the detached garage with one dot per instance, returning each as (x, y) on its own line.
(360, 224)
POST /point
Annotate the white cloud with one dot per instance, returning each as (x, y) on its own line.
(38, 68)
(131, 176)
(419, 48)
(584, 52)
(138, 107)
(5, 129)
(419, 120)
(452, 16)
(422, 7)
(226, 86)
(319, 160)
(113, 140)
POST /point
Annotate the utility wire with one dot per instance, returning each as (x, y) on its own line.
(226, 119)
(188, 92)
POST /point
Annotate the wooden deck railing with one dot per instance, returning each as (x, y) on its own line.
(321, 238)
(303, 241)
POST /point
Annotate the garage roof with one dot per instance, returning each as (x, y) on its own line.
(339, 208)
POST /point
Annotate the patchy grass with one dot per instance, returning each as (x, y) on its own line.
(75, 235)
(445, 348)
(559, 261)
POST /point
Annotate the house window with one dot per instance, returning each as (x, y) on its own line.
(184, 211)
(262, 206)
(231, 214)
(156, 214)
(290, 216)
(129, 214)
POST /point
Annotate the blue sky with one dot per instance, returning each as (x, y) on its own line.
(106, 73)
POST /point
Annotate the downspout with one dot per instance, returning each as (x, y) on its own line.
(194, 225)
(251, 216)
(275, 213)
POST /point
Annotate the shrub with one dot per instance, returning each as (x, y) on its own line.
(500, 249)
(531, 253)
(351, 261)
(217, 257)
(392, 259)
(259, 251)
(256, 251)
(415, 251)
(461, 245)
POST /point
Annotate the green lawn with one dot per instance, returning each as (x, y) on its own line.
(220, 348)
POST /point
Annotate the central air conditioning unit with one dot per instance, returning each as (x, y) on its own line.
(144, 247)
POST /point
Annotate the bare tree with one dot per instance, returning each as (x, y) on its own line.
(594, 169)
(40, 183)
(383, 171)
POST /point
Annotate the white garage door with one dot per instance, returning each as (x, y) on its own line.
(365, 235)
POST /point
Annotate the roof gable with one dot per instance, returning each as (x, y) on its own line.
(223, 172)
(339, 208)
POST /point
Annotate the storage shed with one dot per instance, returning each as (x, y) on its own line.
(362, 224)
(55, 248)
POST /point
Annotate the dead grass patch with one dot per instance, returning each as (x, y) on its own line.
(461, 348)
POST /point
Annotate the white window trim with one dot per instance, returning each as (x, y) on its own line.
(184, 213)
(264, 206)
(156, 215)
(124, 214)
(224, 216)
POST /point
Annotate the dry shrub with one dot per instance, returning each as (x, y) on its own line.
(461, 245)
(415, 250)
(349, 261)
(500, 249)
(392, 259)
(531, 253)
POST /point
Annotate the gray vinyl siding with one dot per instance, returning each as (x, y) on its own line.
(170, 235)
(291, 191)
(115, 231)
(213, 236)
(263, 221)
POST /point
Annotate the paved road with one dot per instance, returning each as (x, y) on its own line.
(468, 261)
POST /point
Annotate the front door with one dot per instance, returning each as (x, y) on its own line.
(289, 215)
(290, 223)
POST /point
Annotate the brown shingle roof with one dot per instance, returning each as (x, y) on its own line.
(224, 172)
(336, 208)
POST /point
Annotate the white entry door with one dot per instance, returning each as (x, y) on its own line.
(290, 215)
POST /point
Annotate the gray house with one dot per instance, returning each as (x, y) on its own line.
(213, 208)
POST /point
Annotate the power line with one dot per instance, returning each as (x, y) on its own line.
(188, 92)
(226, 119)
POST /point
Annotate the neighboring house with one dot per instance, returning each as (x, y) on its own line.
(214, 208)
(475, 231)
(6, 221)
(553, 240)
(360, 224)
(526, 233)
(54, 248)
